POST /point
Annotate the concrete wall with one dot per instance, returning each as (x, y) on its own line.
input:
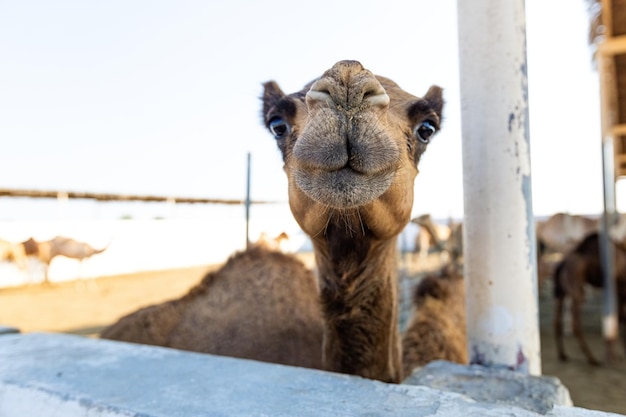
(50, 375)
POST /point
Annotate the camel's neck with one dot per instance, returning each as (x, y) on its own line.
(359, 298)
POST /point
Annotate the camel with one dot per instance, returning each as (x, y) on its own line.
(262, 304)
(437, 329)
(13, 252)
(558, 235)
(446, 239)
(279, 286)
(561, 232)
(580, 267)
(279, 242)
(46, 251)
(430, 235)
(351, 143)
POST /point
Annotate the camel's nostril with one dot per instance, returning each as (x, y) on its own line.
(369, 93)
(373, 92)
(381, 100)
(319, 96)
(319, 93)
(372, 88)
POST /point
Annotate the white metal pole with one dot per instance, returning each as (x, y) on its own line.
(499, 233)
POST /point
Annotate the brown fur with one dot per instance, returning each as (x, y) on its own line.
(437, 328)
(262, 304)
(580, 267)
(286, 324)
(350, 153)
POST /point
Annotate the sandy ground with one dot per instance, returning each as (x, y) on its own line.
(85, 307)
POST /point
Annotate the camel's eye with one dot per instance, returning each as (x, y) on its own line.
(424, 131)
(279, 127)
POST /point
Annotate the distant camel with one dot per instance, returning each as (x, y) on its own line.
(279, 242)
(445, 239)
(63, 246)
(558, 235)
(13, 252)
(437, 327)
(430, 235)
(351, 142)
(580, 267)
(561, 232)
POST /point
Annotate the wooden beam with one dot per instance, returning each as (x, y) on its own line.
(619, 130)
(613, 46)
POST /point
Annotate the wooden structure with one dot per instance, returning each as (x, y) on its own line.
(608, 34)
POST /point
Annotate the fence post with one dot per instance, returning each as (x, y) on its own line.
(248, 203)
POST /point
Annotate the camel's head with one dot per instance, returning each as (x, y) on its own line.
(351, 142)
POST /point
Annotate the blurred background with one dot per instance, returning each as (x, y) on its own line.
(162, 98)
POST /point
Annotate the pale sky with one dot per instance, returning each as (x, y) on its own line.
(161, 97)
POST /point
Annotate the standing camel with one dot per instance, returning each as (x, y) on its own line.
(351, 142)
(561, 232)
(580, 267)
(556, 236)
(64, 246)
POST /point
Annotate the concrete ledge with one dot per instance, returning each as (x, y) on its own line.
(494, 385)
(61, 375)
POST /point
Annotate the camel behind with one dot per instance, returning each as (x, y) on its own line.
(264, 305)
(580, 267)
(261, 305)
(437, 327)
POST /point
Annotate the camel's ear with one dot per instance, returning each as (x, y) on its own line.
(434, 97)
(271, 96)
